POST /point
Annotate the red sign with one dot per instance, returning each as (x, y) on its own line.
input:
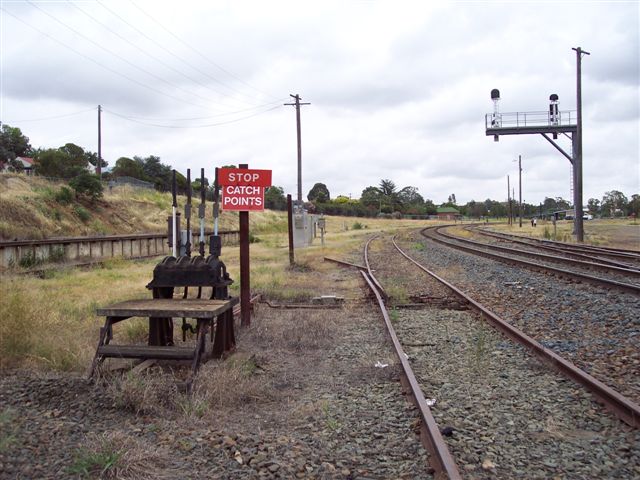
(242, 198)
(244, 176)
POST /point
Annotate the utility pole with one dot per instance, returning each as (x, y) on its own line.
(99, 166)
(297, 105)
(509, 200)
(520, 186)
(577, 151)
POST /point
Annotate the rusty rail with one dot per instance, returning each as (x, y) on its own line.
(627, 287)
(619, 405)
(543, 256)
(569, 252)
(346, 264)
(440, 457)
(607, 251)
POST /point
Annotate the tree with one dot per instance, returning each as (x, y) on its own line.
(87, 185)
(410, 196)
(58, 162)
(319, 193)
(634, 205)
(274, 199)
(452, 199)
(593, 206)
(370, 197)
(614, 203)
(13, 144)
(127, 167)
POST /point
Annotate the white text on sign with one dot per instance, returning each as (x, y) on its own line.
(242, 198)
(241, 176)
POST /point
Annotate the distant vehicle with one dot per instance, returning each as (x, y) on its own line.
(587, 216)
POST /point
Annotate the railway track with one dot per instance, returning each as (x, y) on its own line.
(625, 279)
(613, 256)
(485, 431)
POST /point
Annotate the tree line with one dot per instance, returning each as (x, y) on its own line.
(76, 164)
(386, 199)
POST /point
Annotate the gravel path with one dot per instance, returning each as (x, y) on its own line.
(312, 405)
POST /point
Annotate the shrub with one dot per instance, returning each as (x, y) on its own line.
(87, 185)
(357, 226)
(64, 196)
(82, 213)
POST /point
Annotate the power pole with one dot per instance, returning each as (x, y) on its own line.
(520, 186)
(577, 151)
(99, 166)
(297, 105)
(509, 201)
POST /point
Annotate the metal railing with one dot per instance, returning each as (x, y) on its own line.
(530, 119)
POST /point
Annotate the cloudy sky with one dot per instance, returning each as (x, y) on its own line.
(398, 89)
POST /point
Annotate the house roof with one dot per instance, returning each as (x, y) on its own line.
(27, 162)
(447, 210)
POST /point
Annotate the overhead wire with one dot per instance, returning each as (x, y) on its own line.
(214, 79)
(53, 117)
(149, 124)
(148, 87)
(137, 67)
(183, 119)
(145, 52)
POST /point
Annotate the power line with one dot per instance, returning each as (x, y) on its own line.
(185, 119)
(96, 62)
(132, 119)
(173, 54)
(145, 52)
(64, 115)
(200, 54)
(124, 59)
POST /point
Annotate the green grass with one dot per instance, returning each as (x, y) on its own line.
(90, 464)
(7, 427)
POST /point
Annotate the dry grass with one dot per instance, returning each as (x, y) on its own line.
(148, 393)
(294, 330)
(118, 455)
(617, 233)
(50, 323)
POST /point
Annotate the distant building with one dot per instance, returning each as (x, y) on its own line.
(26, 162)
(448, 213)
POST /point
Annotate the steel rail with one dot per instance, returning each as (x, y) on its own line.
(373, 278)
(544, 256)
(346, 264)
(627, 287)
(440, 457)
(615, 252)
(622, 407)
(571, 253)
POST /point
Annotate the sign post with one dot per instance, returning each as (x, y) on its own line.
(243, 191)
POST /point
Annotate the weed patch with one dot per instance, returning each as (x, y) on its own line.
(116, 455)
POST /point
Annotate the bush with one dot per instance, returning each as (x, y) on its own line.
(87, 185)
(82, 213)
(357, 226)
(64, 196)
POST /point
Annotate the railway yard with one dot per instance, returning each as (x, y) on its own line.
(521, 361)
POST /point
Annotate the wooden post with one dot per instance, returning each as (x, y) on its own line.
(290, 222)
(245, 281)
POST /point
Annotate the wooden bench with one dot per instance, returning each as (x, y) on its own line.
(210, 315)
